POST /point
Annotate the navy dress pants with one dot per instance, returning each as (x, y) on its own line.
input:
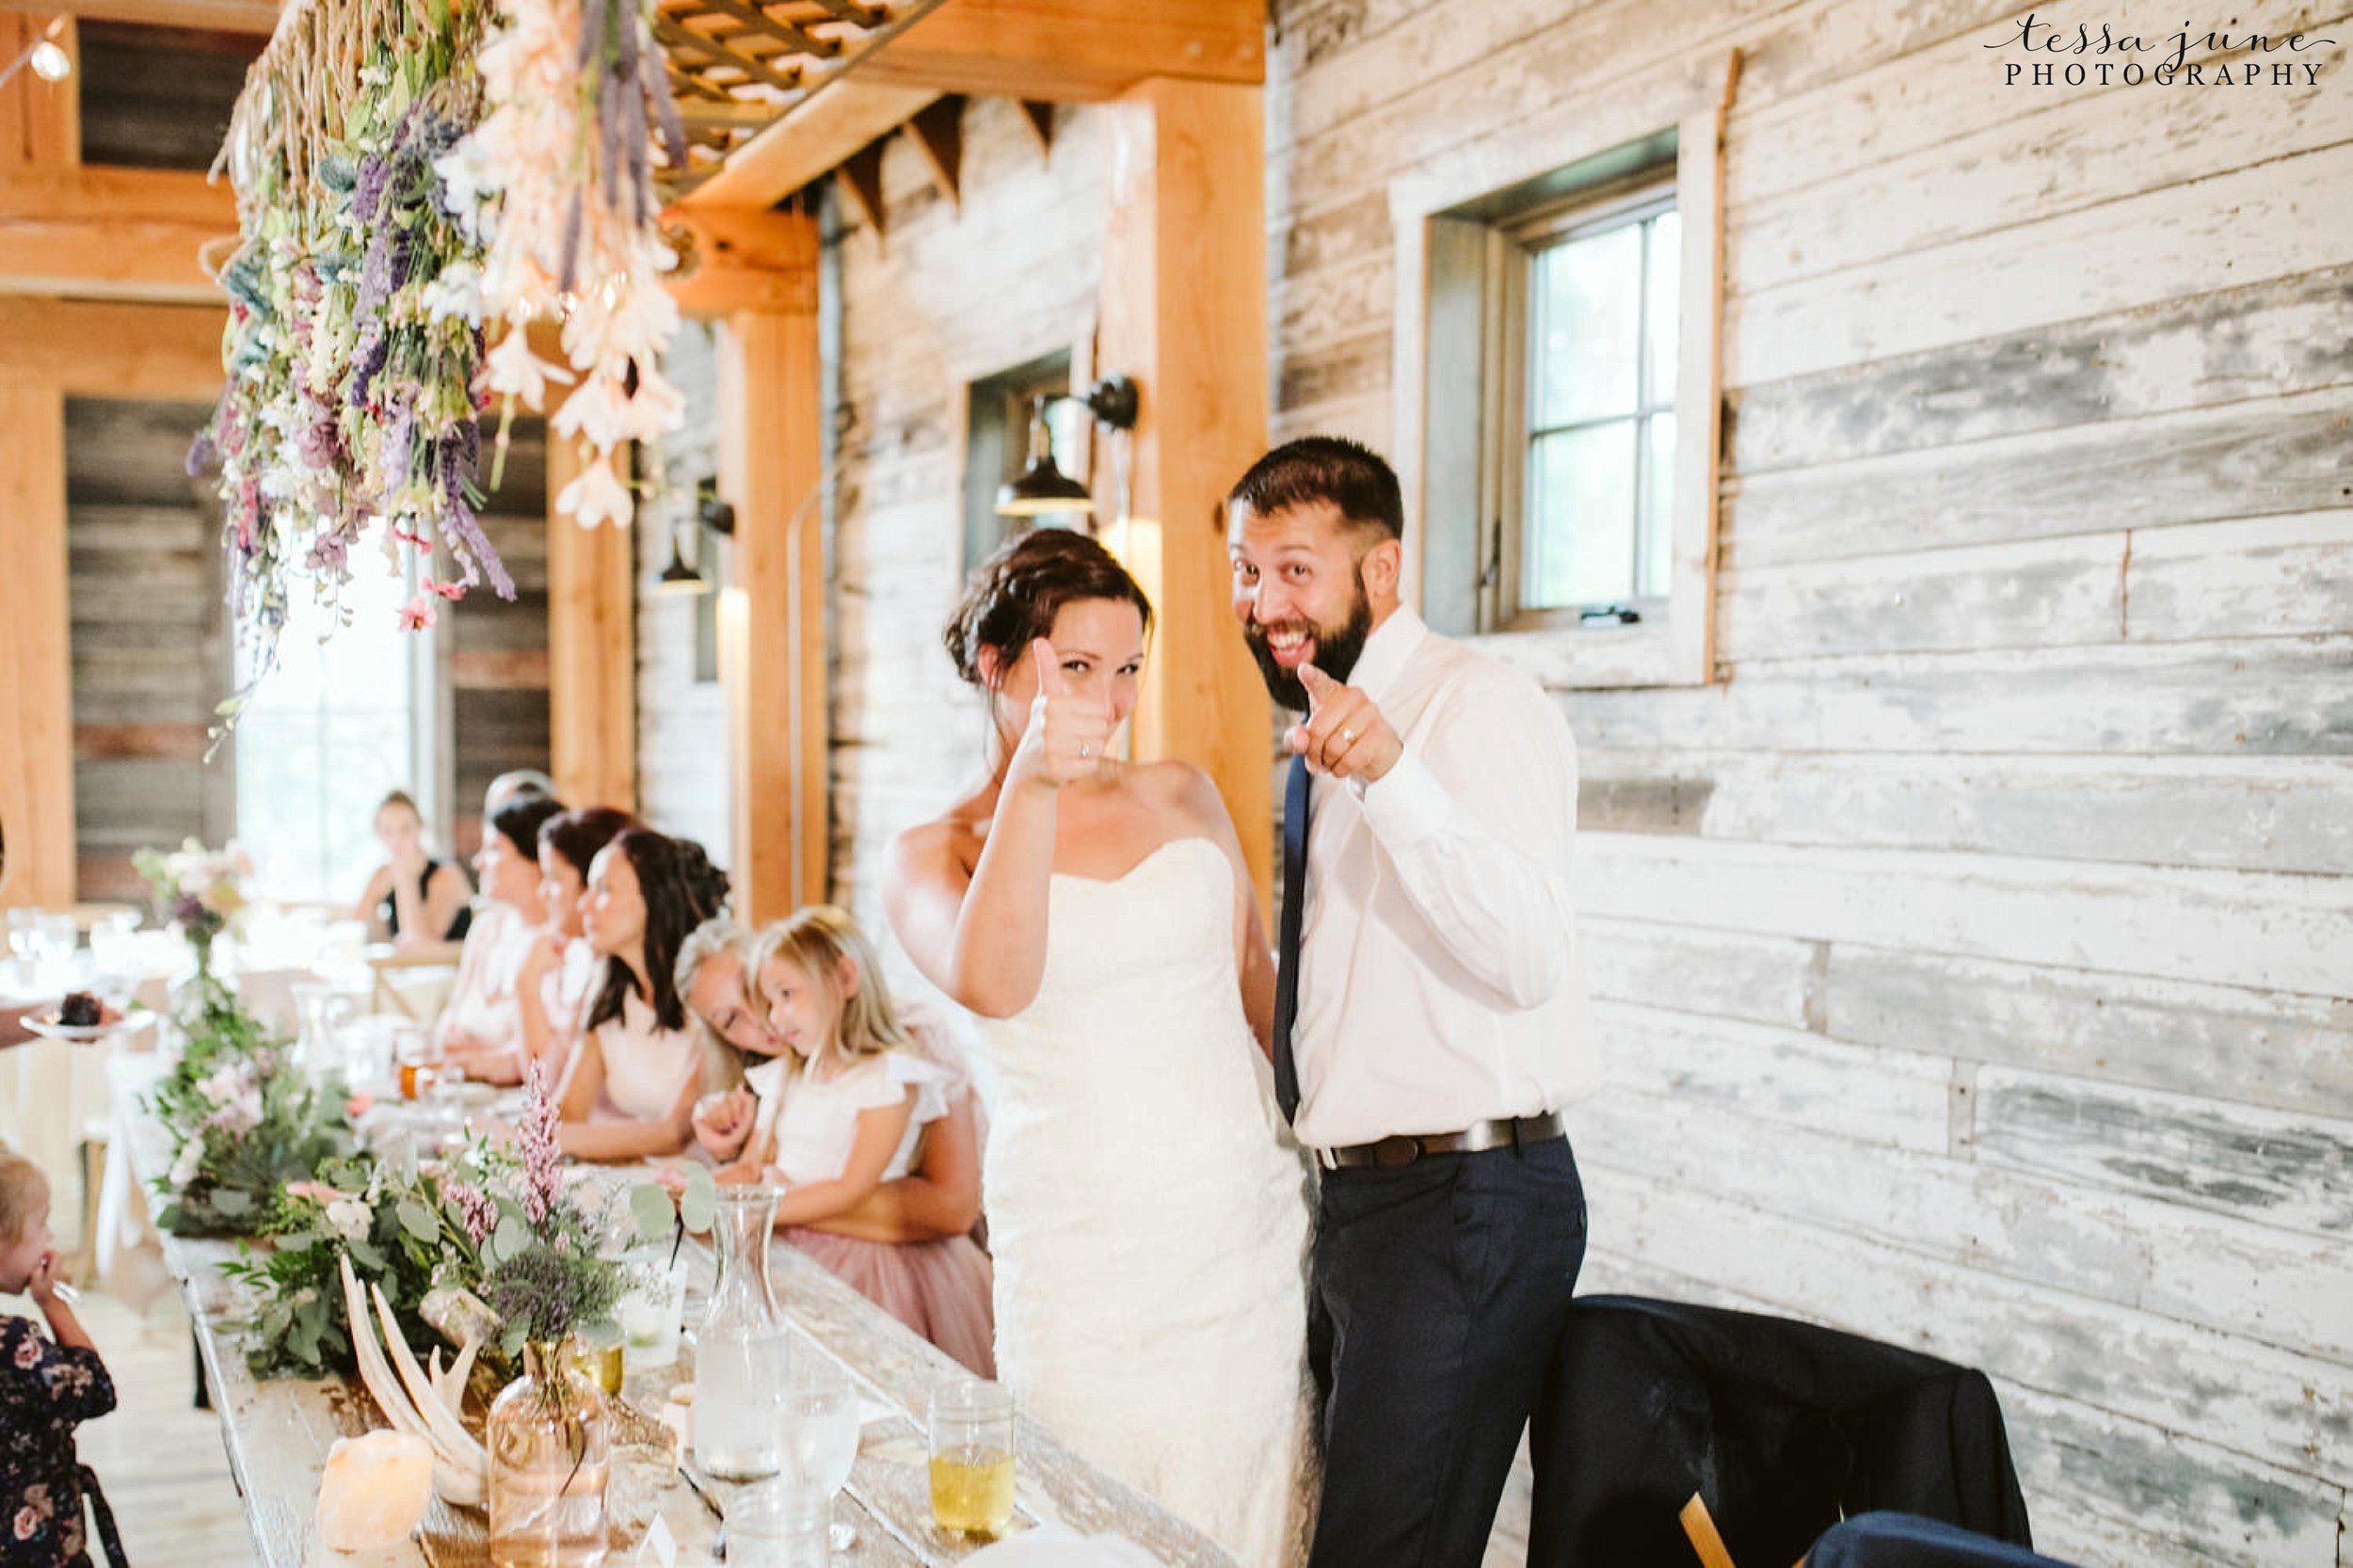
(1436, 1293)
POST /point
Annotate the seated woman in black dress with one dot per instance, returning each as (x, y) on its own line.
(412, 900)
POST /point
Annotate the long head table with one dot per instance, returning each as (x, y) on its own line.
(277, 1432)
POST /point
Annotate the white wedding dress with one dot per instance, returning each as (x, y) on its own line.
(1149, 1231)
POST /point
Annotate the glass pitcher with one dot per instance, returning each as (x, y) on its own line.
(321, 1010)
(741, 1350)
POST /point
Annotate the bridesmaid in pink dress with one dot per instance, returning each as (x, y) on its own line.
(850, 1099)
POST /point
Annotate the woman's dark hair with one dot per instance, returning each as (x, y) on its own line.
(519, 820)
(681, 889)
(1018, 592)
(578, 833)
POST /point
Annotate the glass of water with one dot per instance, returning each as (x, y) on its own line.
(817, 1429)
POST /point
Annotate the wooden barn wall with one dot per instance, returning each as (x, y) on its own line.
(942, 298)
(1975, 955)
(150, 639)
(498, 649)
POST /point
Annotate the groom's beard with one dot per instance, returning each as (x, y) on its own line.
(1337, 648)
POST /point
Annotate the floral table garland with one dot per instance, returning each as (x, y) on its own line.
(406, 172)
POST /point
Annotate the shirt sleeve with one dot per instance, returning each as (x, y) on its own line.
(45, 1381)
(1478, 820)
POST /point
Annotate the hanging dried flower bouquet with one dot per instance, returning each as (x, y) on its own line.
(409, 173)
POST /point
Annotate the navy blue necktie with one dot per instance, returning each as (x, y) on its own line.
(1294, 917)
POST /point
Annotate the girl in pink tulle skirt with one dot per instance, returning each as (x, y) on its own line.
(851, 1097)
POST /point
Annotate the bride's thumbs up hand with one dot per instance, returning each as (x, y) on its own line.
(1069, 731)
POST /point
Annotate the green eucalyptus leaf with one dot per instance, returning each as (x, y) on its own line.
(700, 1203)
(652, 1208)
(511, 1237)
(418, 1220)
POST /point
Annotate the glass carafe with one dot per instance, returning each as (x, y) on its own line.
(741, 1348)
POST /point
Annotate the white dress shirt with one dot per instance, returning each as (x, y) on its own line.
(1440, 980)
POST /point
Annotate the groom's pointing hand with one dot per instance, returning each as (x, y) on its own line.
(1343, 734)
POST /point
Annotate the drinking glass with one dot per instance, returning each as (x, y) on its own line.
(419, 1054)
(780, 1523)
(653, 1310)
(972, 1472)
(23, 940)
(56, 940)
(817, 1429)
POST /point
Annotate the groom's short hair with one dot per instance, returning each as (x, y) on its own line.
(1349, 474)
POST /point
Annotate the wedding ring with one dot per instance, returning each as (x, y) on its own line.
(1085, 751)
(1348, 736)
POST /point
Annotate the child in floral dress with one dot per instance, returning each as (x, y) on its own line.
(49, 1385)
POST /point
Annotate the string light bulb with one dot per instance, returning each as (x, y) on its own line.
(50, 62)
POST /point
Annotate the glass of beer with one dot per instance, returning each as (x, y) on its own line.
(973, 1457)
(419, 1058)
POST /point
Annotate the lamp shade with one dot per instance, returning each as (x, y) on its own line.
(677, 579)
(1041, 489)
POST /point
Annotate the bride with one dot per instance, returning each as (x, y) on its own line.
(1148, 1230)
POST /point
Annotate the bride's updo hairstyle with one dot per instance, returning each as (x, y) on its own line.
(1018, 592)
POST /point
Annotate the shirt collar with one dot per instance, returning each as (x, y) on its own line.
(1387, 650)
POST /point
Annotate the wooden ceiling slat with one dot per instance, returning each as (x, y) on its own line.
(784, 32)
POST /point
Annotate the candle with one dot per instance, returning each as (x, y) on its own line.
(374, 1491)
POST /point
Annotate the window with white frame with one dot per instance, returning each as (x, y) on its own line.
(1583, 524)
(1556, 374)
(341, 720)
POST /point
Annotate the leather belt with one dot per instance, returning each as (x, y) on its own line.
(1510, 1132)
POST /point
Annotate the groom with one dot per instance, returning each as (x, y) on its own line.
(1430, 1016)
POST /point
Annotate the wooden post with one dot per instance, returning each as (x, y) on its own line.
(592, 649)
(35, 660)
(1184, 314)
(776, 665)
(41, 121)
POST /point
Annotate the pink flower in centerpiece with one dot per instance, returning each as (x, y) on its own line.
(416, 614)
(317, 1191)
(446, 590)
(543, 1179)
(475, 1209)
(359, 1105)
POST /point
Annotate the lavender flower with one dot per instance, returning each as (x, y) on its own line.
(367, 194)
(543, 1181)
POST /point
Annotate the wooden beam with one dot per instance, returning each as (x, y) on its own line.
(746, 259)
(592, 649)
(89, 349)
(111, 233)
(218, 16)
(938, 137)
(776, 665)
(40, 122)
(1183, 311)
(36, 659)
(812, 138)
(1067, 51)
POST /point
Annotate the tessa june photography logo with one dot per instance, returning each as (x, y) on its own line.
(2090, 55)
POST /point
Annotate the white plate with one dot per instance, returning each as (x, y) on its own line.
(49, 1028)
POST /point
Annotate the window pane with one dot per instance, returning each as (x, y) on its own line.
(326, 734)
(1666, 275)
(1578, 548)
(1586, 327)
(1658, 506)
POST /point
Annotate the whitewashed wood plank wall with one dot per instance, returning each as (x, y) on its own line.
(1976, 954)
